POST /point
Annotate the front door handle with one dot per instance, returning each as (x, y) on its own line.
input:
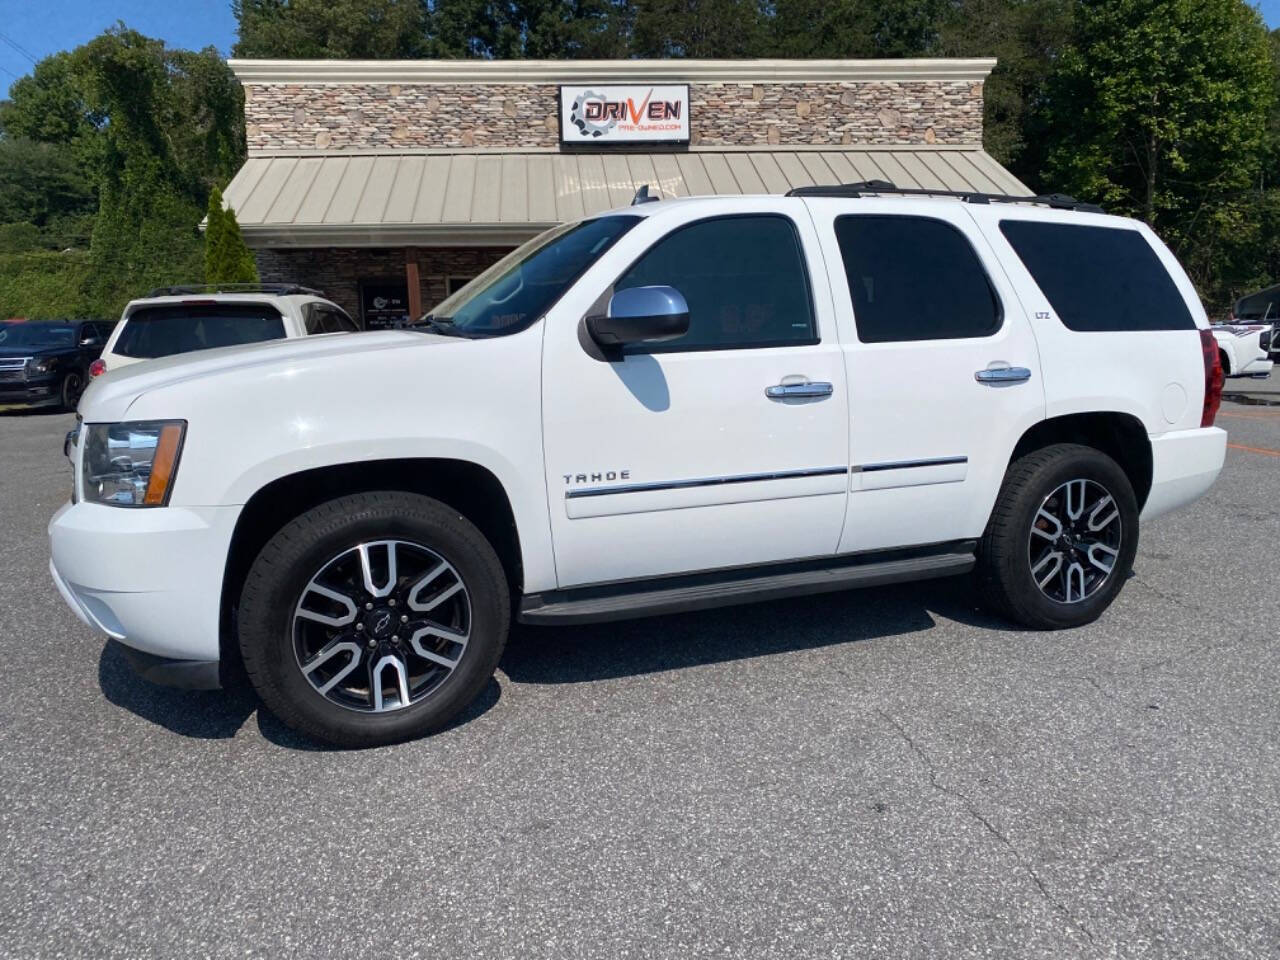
(998, 375)
(796, 391)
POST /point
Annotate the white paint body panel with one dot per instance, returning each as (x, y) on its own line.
(672, 417)
(534, 407)
(1242, 349)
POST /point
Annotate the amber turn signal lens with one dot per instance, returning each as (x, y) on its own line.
(162, 467)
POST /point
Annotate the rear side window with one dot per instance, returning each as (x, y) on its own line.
(914, 278)
(162, 331)
(1260, 306)
(1099, 279)
(743, 277)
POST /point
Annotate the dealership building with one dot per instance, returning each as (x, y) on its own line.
(388, 184)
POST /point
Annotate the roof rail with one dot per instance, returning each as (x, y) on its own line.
(278, 289)
(864, 188)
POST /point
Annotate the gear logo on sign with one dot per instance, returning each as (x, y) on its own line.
(578, 116)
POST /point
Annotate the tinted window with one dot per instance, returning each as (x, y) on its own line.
(1260, 306)
(914, 278)
(335, 321)
(523, 285)
(743, 277)
(165, 330)
(1099, 278)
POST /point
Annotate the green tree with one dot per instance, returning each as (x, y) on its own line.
(45, 188)
(340, 29)
(173, 131)
(1028, 39)
(227, 259)
(698, 28)
(853, 28)
(1159, 110)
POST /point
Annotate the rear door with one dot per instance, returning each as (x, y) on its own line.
(943, 369)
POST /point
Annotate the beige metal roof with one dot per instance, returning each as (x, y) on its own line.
(503, 197)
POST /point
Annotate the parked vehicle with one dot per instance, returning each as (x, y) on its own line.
(669, 407)
(1242, 349)
(1262, 308)
(179, 320)
(45, 363)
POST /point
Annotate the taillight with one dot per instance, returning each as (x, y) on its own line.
(98, 367)
(1213, 378)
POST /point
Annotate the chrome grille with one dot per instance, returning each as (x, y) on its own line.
(13, 369)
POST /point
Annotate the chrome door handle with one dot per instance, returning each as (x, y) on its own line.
(995, 375)
(789, 391)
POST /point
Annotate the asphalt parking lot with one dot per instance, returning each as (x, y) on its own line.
(887, 773)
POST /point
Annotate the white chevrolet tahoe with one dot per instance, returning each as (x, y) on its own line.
(673, 406)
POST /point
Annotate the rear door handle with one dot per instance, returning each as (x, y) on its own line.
(998, 375)
(792, 391)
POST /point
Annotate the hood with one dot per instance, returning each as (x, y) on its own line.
(109, 397)
(12, 353)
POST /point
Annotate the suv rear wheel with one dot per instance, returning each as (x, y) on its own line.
(1061, 539)
(373, 618)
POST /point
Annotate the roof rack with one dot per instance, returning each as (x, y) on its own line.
(278, 289)
(863, 188)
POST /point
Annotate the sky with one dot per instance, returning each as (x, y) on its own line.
(31, 29)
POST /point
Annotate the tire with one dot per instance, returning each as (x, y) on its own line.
(342, 549)
(1019, 537)
(70, 390)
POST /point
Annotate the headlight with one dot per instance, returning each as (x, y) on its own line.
(42, 364)
(131, 464)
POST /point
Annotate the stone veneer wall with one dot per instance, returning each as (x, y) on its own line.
(336, 116)
(338, 271)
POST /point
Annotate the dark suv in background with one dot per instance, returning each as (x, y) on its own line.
(46, 362)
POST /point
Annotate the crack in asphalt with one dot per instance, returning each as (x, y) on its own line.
(990, 827)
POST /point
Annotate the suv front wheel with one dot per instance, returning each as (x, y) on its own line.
(1061, 540)
(373, 618)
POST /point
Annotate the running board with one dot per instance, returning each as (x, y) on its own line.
(677, 595)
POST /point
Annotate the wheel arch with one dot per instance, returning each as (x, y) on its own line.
(1121, 436)
(471, 489)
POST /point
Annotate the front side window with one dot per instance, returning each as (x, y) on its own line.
(162, 331)
(743, 278)
(524, 284)
(914, 278)
(1099, 278)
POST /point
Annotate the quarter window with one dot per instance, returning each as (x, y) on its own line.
(1099, 278)
(914, 278)
(743, 277)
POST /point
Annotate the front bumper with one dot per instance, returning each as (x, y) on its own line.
(149, 578)
(34, 392)
(1184, 465)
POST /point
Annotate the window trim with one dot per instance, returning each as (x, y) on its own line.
(641, 349)
(1001, 313)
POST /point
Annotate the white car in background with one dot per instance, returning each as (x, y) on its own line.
(174, 320)
(1242, 349)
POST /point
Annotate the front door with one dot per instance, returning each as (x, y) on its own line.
(943, 368)
(677, 457)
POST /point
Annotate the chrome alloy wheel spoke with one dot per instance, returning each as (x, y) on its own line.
(381, 626)
(1075, 540)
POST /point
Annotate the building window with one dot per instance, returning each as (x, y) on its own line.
(453, 284)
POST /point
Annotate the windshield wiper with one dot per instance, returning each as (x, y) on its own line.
(433, 324)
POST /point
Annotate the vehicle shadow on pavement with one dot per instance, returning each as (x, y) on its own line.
(219, 714)
(202, 714)
(581, 654)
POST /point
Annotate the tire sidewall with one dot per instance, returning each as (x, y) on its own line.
(1076, 463)
(276, 581)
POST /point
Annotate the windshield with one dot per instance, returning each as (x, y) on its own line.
(523, 285)
(36, 335)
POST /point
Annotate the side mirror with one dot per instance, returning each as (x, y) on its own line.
(641, 314)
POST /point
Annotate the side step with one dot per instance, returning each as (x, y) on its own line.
(678, 595)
